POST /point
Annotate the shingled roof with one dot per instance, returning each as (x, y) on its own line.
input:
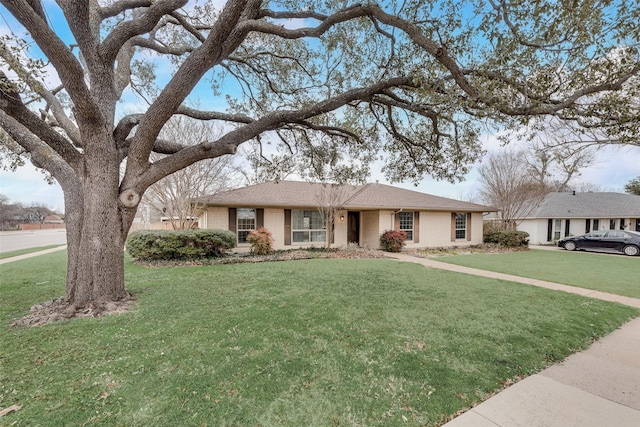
(588, 205)
(369, 196)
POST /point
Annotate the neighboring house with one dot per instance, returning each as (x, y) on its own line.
(53, 219)
(290, 210)
(148, 218)
(569, 214)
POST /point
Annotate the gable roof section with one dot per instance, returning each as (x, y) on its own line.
(369, 196)
(588, 205)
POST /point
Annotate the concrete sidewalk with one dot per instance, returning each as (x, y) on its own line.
(32, 254)
(598, 387)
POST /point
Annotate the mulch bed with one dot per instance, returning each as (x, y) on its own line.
(289, 255)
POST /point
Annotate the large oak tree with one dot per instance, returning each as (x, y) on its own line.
(331, 83)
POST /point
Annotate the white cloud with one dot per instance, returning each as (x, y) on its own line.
(27, 186)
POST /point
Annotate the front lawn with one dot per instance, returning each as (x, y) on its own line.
(314, 342)
(617, 274)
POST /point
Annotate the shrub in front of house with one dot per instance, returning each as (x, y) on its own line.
(149, 245)
(393, 240)
(261, 241)
(511, 239)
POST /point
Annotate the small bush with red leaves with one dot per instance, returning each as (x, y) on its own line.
(393, 240)
(261, 241)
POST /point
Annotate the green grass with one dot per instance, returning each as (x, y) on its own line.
(11, 254)
(607, 273)
(314, 342)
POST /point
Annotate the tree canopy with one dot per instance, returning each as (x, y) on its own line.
(413, 79)
(333, 85)
(633, 186)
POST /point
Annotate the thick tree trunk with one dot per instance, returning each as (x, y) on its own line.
(96, 259)
(95, 239)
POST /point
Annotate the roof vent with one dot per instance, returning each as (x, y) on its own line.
(574, 192)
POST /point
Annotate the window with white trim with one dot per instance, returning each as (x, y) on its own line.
(406, 224)
(557, 228)
(246, 223)
(461, 226)
(308, 226)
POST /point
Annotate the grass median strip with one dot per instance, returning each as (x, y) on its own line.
(314, 342)
(617, 274)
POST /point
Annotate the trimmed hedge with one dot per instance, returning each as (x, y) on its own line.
(148, 245)
(507, 238)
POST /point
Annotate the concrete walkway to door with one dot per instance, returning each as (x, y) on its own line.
(596, 387)
(605, 296)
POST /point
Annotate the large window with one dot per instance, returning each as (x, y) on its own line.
(596, 225)
(246, 223)
(612, 224)
(406, 223)
(461, 226)
(557, 228)
(308, 226)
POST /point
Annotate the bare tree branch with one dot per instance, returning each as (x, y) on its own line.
(59, 114)
(129, 29)
(12, 105)
(120, 6)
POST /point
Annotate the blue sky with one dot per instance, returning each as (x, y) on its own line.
(612, 170)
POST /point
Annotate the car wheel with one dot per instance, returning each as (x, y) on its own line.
(570, 246)
(631, 250)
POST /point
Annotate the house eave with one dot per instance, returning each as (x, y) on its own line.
(351, 207)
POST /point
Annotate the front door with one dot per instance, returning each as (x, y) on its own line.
(353, 225)
(638, 224)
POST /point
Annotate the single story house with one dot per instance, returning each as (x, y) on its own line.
(570, 213)
(53, 219)
(293, 212)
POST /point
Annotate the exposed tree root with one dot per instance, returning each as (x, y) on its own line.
(58, 309)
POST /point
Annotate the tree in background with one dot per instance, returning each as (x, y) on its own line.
(554, 166)
(633, 186)
(328, 83)
(256, 168)
(177, 196)
(516, 181)
(330, 199)
(14, 214)
(506, 186)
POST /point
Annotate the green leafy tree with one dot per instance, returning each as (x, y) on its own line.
(328, 84)
(633, 186)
